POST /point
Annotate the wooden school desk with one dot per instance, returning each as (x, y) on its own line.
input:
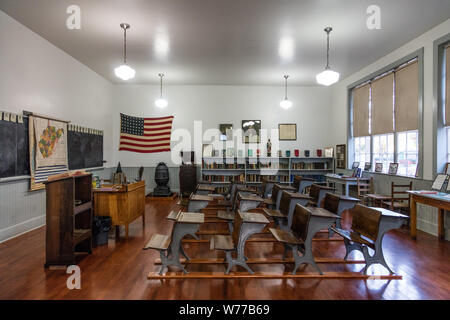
(123, 203)
(344, 180)
(439, 200)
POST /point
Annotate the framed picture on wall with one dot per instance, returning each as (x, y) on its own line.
(226, 131)
(341, 156)
(287, 131)
(393, 167)
(328, 152)
(251, 131)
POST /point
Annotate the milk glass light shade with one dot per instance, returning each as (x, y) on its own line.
(327, 77)
(161, 103)
(125, 72)
(286, 104)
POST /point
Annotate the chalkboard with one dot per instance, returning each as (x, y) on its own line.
(85, 150)
(14, 155)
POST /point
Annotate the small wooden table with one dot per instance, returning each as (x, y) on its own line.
(377, 199)
(439, 200)
(344, 180)
(123, 203)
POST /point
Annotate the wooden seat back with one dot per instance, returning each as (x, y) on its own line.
(366, 221)
(300, 222)
(237, 225)
(364, 186)
(314, 192)
(285, 202)
(331, 202)
(398, 192)
(276, 188)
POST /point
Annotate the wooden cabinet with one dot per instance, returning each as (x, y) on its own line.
(68, 219)
(123, 203)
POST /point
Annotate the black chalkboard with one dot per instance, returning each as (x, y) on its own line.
(14, 155)
(84, 150)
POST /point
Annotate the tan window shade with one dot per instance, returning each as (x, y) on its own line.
(361, 111)
(382, 104)
(447, 87)
(407, 98)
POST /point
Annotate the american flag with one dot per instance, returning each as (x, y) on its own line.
(145, 135)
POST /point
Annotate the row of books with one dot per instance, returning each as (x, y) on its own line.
(216, 178)
(214, 165)
(309, 166)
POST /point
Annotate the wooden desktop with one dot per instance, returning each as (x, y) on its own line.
(123, 203)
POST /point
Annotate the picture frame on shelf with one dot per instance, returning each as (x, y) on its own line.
(226, 131)
(356, 172)
(447, 168)
(251, 131)
(355, 165)
(393, 167)
(379, 167)
(208, 150)
(328, 152)
(287, 131)
(439, 181)
(367, 166)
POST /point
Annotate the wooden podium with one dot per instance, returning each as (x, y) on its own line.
(123, 203)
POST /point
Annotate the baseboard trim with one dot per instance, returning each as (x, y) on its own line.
(19, 229)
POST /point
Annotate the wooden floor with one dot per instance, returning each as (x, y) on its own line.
(119, 270)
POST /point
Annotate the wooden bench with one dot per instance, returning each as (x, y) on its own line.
(306, 222)
(363, 234)
(283, 216)
(169, 246)
(337, 204)
(274, 201)
(300, 183)
(245, 224)
(317, 193)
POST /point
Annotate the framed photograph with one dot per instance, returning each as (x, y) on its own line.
(367, 166)
(379, 167)
(207, 150)
(251, 131)
(226, 131)
(287, 131)
(393, 167)
(356, 173)
(355, 165)
(439, 182)
(328, 152)
(341, 156)
(447, 168)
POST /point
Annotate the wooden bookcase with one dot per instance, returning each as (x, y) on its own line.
(69, 219)
(220, 171)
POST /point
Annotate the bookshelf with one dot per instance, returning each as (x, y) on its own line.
(68, 219)
(250, 170)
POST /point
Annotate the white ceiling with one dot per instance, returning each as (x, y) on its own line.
(228, 42)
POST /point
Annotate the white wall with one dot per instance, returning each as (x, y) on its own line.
(339, 91)
(36, 76)
(226, 104)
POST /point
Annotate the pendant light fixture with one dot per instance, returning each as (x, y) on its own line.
(125, 72)
(286, 103)
(328, 76)
(161, 102)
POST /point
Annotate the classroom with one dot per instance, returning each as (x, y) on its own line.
(224, 150)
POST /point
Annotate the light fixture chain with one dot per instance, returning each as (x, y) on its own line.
(285, 92)
(125, 45)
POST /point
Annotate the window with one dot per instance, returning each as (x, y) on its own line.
(448, 144)
(386, 120)
(407, 152)
(362, 150)
(383, 150)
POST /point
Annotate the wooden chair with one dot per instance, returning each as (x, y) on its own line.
(364, 186)
(274, 201)
(399, 197)
(363, 235)
(317, 193)
(295, 239)
(300, 183)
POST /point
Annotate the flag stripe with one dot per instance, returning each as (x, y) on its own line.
(145, 134)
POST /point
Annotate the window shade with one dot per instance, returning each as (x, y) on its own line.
(361, 111)
(447, 87)
(383, 105)
(407, 98)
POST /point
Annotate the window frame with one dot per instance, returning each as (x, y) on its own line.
(418, 54)
(439, 129)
